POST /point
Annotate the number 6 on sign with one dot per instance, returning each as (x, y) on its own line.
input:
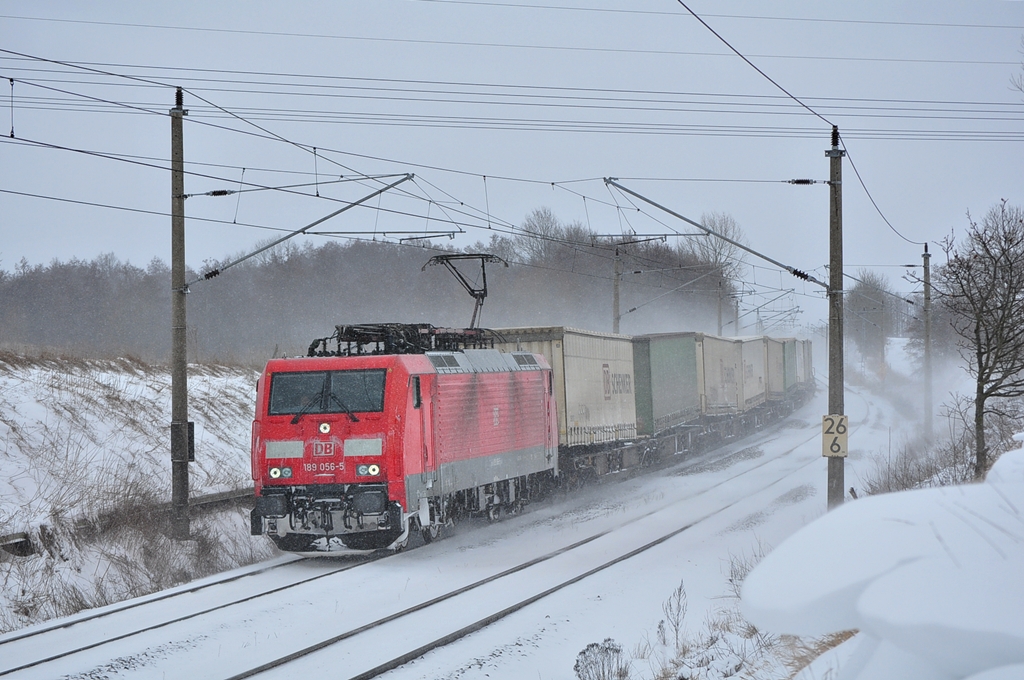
(833, 436)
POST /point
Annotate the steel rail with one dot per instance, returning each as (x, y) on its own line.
(492, 618)
(185, 617)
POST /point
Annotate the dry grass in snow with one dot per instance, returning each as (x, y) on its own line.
(84, 449)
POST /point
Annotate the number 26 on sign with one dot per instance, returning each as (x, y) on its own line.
(834, 432)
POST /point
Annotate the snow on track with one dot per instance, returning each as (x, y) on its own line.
(724, 493)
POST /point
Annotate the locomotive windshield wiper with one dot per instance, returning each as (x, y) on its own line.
(346, 409)
(307, 408)
(311, 404)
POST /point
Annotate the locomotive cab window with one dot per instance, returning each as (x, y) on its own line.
(327, 392)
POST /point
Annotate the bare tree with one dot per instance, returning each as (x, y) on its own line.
(869, 310)
(982, 284)
(714, 251)
(1017, 81)
(540, 236)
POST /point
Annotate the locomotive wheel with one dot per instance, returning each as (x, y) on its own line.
(431, 532)
(293, 542)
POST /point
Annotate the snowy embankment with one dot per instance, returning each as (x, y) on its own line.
(931, 578)
(110, 418)
(84, 453)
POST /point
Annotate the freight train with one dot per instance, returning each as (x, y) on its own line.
(388, 429)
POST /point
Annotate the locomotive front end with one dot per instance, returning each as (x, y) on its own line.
(324, 455)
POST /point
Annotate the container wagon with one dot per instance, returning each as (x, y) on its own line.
(594, 390)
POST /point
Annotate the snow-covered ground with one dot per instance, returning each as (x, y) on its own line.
(757, 493)
(932, 579)
(83, 455)
(75, 434)
(762, 493)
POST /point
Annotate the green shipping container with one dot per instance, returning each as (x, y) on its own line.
(667, 376)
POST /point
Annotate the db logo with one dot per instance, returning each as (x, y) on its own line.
(323, 448)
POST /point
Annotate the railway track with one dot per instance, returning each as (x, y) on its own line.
(347, 640)
(541, 577)
(162, 609)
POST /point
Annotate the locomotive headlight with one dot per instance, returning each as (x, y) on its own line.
(367, 470)
(286, 472)
(275, 472)
(325, 428)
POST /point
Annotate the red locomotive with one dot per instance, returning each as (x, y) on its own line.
(399, 428)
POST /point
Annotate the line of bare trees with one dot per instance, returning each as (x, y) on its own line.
(560, 274)
(982, 286)
(978, 316)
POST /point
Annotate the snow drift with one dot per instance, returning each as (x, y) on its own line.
(930, 578)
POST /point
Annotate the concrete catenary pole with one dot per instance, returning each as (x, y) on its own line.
(616, 282)
(719, 309)
(179, 366)
(836, 403)
(926, 256)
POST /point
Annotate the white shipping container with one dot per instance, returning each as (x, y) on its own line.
(594, 382)
(775, 369)
(752, 382)
(722, 365)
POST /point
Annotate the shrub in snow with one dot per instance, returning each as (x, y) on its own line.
(726, 645)
(602, 661)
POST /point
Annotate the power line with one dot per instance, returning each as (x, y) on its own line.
(22, 141)
(623, 128)
(835, 129)
(751, 64)
(458, 43)
(872, 199)
(576, 98)
(757, 17)
(331, 115)
(418, 85)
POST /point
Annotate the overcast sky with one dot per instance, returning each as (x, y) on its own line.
(499, 108)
